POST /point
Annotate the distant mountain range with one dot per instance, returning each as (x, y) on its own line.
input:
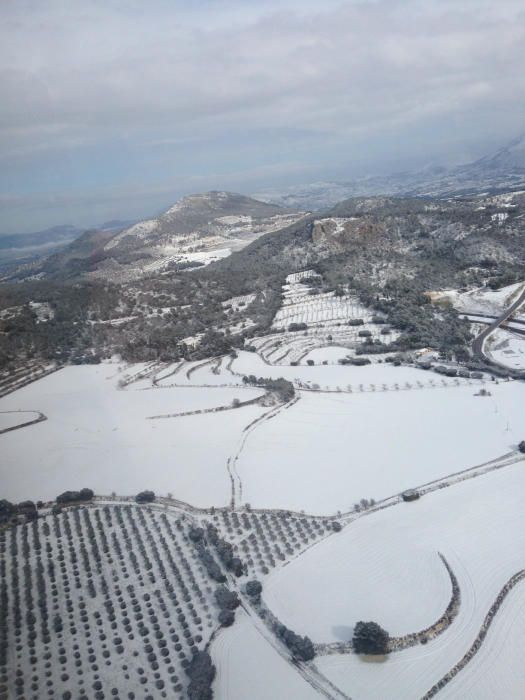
(502, 171)
(197, 230)
(204, 228)
(24, 247)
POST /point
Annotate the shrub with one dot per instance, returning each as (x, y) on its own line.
(211, 565)
(357, 361)
(226, 618)
(226, 599)
(196, 534)
(446, 371)
(254, 590)
(301, 647)
(521, 446)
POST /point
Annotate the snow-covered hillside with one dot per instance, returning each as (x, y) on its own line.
(196, 231)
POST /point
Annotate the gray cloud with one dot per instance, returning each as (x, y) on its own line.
(76, 75)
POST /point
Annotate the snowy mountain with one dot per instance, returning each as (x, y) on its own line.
(197, 230)
(18, 248)
(502, 171)
(510, 157)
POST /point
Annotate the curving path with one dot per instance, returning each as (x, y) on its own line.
(413, 638)
(476, 646)
(231, 464)
(477, 344)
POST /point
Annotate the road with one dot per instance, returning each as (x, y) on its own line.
(477, 345)
(469, 314)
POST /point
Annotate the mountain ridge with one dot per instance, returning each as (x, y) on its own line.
(195, 231)
(501, 171)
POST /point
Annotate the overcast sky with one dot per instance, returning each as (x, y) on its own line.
(116, 108)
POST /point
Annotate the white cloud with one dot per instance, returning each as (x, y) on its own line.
(77, 73)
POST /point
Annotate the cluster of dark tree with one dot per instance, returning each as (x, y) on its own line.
(521, 446)
(184, 265)
(75, 496)
(363, 504)
(370, 638)
(301, 647)
(67, 335)
(293, 327)
(409, 310)
(145, 497)
(196, 534)
(281, 387)
(505, 278)
(211, 566)
(227, 601)
(195, 298)
(10, 511)
(225, 551)
(201, 672)
(223, 548)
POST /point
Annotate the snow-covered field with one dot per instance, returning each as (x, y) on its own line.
(507, 348)
(97, 435)
(497, 671)
(482, 300)
(328, 451)
(352, 433)
(251, 668)
(10, 419)
(385, 567)
(373, 377)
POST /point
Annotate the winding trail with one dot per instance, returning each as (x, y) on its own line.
(231, 464)
(476, 646)
(412, 638)
(479, 341)
(308, 670)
